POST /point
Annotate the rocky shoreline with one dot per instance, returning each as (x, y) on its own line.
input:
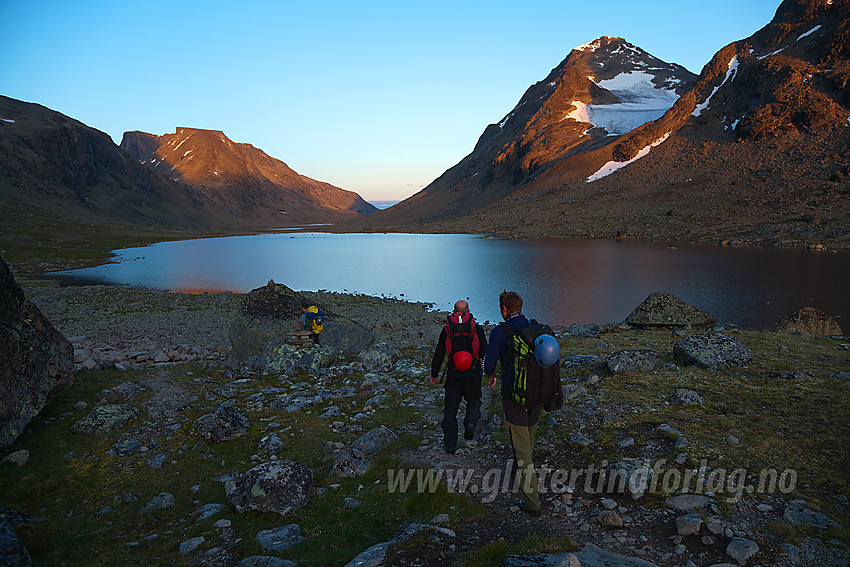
(175, 400)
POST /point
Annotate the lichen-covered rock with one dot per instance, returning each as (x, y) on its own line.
(380, 357)
(287, 359)
(350, 463)
(685, 397)
(631, 361)
(35, 359)
(711, 350)
(667, 310)
(280, 538)
(105, 418)
(274, 300)
(631, 476)
(122, 392)
(809, 322)
(277, 486)
(374, 440)
(161, 501)
(742, 550)
(222, 424)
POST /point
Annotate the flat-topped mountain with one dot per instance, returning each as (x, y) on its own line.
(241, 177)
(53, 163)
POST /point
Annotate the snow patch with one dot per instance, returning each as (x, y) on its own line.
(187, 153)
(9, 120)
(769, 54)
(591, 46)
(640, 102)
(505, 121)
(810, 32)
(613, 166)
(731, 71)
(180, 144)
(552, 84)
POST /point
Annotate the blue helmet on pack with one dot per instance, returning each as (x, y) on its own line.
(547, 351)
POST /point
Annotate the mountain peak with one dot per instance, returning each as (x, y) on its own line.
(599, 43)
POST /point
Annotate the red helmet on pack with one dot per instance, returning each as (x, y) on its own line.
(462, 360)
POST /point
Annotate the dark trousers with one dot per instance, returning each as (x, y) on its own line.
(468, 389)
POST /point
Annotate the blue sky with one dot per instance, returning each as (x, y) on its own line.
(376, 97)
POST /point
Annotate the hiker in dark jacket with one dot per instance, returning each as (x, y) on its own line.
(520, 423)
(463, 383)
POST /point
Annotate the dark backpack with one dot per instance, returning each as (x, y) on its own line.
(462, 336)
(534, 386)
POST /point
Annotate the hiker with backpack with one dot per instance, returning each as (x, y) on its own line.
(463, 341)
(312, 320)
(528, 353)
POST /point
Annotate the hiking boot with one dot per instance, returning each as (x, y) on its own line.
(451, 450)
(469, 431)
(534, 512)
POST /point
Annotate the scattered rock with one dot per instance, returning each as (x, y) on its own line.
(589, 556)
(380, 357)
(585, 331)
(581, 440)
(156, 462)
(631, 361)
(742, 550)
(191, 545)
(809, 322)
(627, 442)
(12, 550)
(277, 486)
(350, 463)
(159, 502)
(711, 350)
(684, 397)
(126, 448)
(222, 424)
(207, 511)
(271, 443)
(798, 514)
(631, 476)
(280, 538)
(667, 310)
(105, 418)
(440, 519)
(688, 502)
(264, 561)
(572, 392)
(688, 524)
(19, 458)
(374, 440)
(608, 504)
(610, 518)
(35, 359)
(122, 392)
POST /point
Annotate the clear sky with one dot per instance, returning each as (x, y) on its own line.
(375, 97)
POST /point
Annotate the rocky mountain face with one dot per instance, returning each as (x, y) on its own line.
(54, 163)
(601, 91)
(241, 177)
(754, 151)
(59, 165)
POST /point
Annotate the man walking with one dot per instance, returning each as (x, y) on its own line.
(463, 341)
(521, 423)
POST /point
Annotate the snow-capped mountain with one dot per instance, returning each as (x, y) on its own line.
(600, 91)
(754, 150)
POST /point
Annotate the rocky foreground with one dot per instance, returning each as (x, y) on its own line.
(198, 432)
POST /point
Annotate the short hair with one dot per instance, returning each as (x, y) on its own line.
(511, 301)
(305, 305)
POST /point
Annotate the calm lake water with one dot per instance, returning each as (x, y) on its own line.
(562, 281)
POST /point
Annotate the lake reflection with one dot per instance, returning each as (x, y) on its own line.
(562, 281)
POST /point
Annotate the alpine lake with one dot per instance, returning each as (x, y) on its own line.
(561, 281)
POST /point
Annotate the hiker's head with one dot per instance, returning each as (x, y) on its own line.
(510, 302)
(461, 307)
(305, 307)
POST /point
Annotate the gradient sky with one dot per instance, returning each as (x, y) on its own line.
(375, 97)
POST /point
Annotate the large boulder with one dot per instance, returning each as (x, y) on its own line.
(375, 440)
(35, 359)
(809, 322)
(287, 359)
(667, 310)
(275, 301)
(276, 486)
(270, 313)
(711, 350)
